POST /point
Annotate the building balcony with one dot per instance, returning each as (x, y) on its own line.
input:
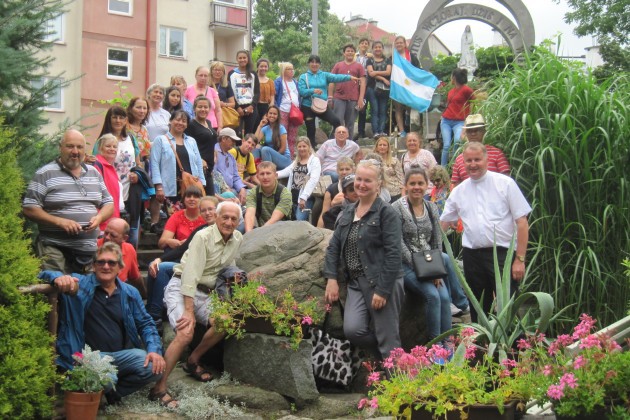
(227, 19)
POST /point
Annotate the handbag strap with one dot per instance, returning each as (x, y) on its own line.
(306, 77)
(289, 90)
(413, 216)
(179, 162)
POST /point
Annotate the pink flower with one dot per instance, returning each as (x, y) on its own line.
(373, 377)
(569, 379)
(262, 290)
(504, 373)
(547, 370)
(362, 403)
(584, 327)
(374, 403)
(78, 355)
(579, 362)
(467, 332)
(509, 363)
(555, 392)
(523, 344)
(470, 352)
(439, 352)
(590, 342)
(307, 320)
(388, 363)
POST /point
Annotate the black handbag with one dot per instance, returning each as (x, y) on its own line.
(427, 264)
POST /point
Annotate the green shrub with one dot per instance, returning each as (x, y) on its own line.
(568, 140)
(26, 353)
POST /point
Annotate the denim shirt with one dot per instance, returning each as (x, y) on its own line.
(72, 309)
(379, 246)
(164, 163)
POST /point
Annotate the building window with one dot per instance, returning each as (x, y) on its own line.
(54, 29)
(118, 64)
(54, 97)
(242, 3)
(172, 42)
(120, 7)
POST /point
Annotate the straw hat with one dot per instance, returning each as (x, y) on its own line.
(474, 121)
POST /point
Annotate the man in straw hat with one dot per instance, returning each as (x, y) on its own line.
(475, 130)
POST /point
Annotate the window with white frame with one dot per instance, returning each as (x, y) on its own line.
(118, 64)
(54, 97)
(234, 2)
(120, 7)
(54, 29)
(172, 42)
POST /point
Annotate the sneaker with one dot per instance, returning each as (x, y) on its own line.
(466, 310)
(403, 134)
(455, 311)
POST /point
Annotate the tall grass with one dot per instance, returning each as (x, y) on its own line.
(568, 141)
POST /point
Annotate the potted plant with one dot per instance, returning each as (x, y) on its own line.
(424, 383)
(251, 302)
(587, 375)
(84, 384)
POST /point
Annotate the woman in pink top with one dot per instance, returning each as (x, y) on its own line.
(202, 87)
(107, 147)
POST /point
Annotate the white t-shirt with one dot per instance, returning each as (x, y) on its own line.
(125, 160)
(493, 202)
(285, 105)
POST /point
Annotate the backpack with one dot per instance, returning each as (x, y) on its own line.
(276, 200)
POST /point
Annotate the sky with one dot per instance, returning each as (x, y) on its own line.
(401, 17)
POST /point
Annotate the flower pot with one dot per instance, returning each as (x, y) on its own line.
(81, 405)
(475, 412)
(598, 414)
(259, 325)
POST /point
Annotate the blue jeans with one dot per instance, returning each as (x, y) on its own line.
(334, 176)
(458, 297)
(132, 374)
(451, 129)
(303, 215)
(378, 107)
(156, 286)
(268, 154)
(438, 303)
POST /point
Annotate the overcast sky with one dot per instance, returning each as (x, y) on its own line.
(401, 17)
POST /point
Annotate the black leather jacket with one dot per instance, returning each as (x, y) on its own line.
(379, 246)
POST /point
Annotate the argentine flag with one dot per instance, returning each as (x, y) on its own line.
(411, 86)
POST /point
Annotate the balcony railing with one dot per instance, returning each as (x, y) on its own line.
(226, 15)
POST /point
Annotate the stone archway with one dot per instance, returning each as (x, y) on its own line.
(437, 13)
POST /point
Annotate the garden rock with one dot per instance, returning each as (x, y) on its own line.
(252, 397)
(269, 362)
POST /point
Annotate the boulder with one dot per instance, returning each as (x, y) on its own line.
(268, 362)
(253, 398)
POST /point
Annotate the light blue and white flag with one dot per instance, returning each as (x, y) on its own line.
(410, 85)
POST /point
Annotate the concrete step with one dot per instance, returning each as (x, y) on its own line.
(145, 256)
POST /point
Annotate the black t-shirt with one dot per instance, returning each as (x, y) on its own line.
(225, 93)
(377, 66)
(333, 189)
(205, 138)
(104, 327)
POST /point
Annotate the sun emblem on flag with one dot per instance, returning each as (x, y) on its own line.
(407, 82)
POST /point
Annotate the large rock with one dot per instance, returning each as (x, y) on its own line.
(268, 362)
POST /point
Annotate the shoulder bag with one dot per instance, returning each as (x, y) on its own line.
(322, 185)
(295, 115)
(187, 179)
(318, 105)
(229, 117)
(427, 264)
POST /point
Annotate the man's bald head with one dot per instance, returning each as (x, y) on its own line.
(117, 231)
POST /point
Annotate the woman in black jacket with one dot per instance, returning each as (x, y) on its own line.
(367, 243)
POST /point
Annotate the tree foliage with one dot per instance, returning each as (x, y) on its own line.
(22, 62)
(283, 28)
(26, 354)
(609, 22)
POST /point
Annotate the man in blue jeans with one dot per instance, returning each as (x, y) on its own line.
(99, 310)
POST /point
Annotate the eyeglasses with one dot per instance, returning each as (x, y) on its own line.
(103, 263)
(79, 184)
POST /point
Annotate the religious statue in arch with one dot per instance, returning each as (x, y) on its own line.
(468, 59)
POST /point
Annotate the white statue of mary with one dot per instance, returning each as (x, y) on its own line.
(468, 60)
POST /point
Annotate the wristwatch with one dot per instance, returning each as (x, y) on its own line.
(521, 258)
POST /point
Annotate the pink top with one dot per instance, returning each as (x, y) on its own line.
(110, 176)
(211, 94)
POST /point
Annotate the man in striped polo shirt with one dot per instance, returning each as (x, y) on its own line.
(68, 200)
(475, 129)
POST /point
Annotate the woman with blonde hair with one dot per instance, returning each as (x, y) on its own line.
(218, 80)
(367, 245)
(287, 94)
(391, 167)
(303, 174)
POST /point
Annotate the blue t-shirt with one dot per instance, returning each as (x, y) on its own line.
(266, 130)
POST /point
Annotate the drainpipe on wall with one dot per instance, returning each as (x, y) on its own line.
(147, 47)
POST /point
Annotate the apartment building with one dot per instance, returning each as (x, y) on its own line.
(106, 44)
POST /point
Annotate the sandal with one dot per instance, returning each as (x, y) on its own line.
(198, 372)
(164, 398)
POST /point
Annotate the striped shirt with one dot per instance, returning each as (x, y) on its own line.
(497, 162)
(60, 194)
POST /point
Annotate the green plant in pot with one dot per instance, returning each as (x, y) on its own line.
(514, 316)
(251, 301)
(84, 384)
(425, 381)
(586, 374)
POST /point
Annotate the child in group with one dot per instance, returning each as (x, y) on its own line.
(438, 175)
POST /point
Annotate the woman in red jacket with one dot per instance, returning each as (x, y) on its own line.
(457, 109)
